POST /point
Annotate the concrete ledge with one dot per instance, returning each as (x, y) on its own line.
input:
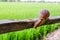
(15, 25)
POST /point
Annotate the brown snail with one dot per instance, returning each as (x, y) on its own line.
(43, 15)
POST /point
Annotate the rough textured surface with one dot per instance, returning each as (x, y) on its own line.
(14, 25)
(55, 35)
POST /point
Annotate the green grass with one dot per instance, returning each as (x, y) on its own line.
(25, 11)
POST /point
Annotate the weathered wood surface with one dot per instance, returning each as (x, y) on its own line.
(14, 25)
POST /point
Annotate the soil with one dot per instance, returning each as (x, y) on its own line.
(55, 35)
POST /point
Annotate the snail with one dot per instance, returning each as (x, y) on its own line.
(43, 15)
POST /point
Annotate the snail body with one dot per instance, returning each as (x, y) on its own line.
(43, 15)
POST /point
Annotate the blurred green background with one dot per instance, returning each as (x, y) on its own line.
(16, 10)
